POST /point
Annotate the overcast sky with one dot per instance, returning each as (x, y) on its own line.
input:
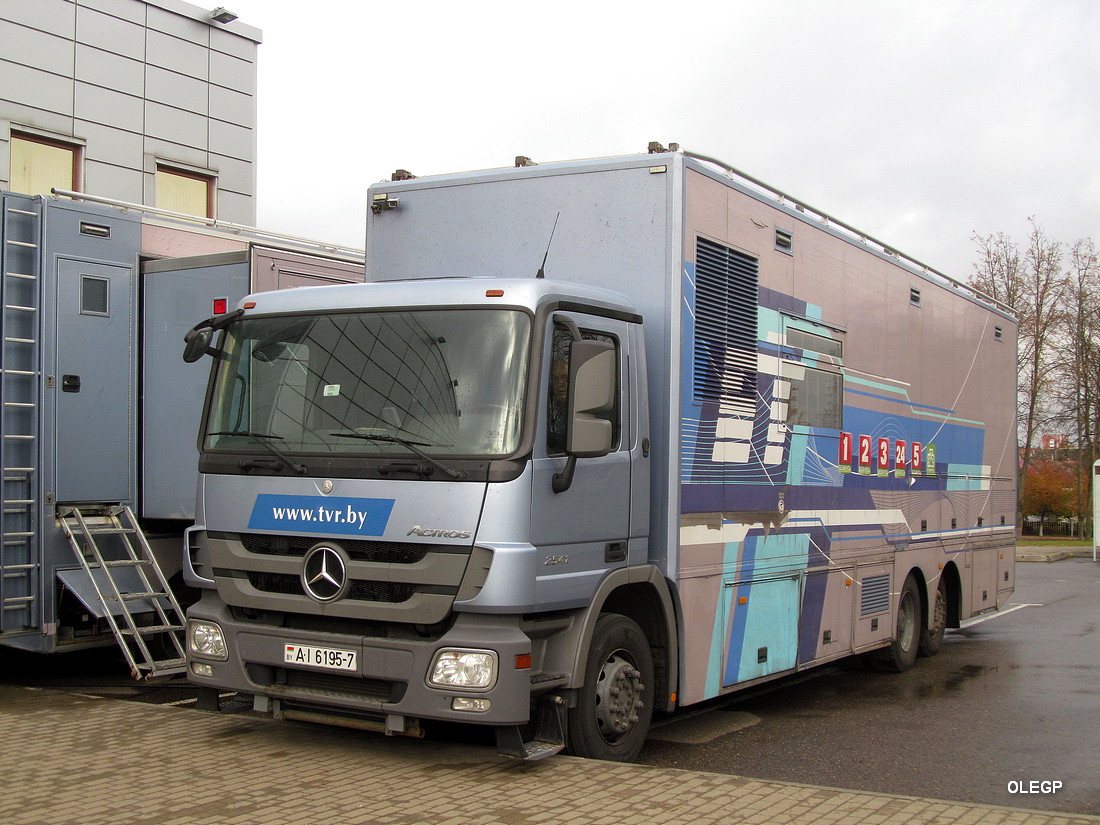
(918, 122)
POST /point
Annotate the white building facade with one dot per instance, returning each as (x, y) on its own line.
(147, 101)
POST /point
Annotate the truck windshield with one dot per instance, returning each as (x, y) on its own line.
(448, 381)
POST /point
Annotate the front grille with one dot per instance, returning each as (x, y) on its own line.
(360, 590)
(368, 591)
(277, 583)
(391, 552)
(264, 572)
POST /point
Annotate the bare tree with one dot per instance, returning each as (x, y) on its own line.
(1078, 369)
(1031, 282)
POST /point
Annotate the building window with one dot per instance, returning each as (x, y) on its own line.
(187, 192)
(39, 164)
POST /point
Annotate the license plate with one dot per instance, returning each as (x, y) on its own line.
(331, 658)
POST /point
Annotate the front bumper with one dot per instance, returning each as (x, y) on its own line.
(390, 678)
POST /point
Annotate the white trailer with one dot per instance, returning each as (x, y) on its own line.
(100, 416)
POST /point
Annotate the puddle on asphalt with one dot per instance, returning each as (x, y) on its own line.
(954, 680)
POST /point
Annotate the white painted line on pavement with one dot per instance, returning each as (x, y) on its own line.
(987, 616)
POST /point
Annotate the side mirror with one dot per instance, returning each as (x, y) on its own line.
(592, 377)
(591, 392)
(197, 340)
(197, 344)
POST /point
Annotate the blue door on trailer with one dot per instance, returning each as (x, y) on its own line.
(94, 382)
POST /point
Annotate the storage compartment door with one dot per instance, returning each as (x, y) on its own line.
(763, 628)
(984, 587)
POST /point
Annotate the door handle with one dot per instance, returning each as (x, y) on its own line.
(70, 383)
(614, 552)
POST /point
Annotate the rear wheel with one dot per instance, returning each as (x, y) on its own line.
(615, 704)
(930, 637)
(900, 654)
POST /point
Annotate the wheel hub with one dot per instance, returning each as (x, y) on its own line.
(619, 692)
(941, 610)
(907, 622)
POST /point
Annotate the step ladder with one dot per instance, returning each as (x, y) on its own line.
(116, 526)
(20, 379)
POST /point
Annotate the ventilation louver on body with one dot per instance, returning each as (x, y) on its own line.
(726, 299)
(875, 595)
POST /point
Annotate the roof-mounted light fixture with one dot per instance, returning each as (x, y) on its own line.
(222, 15)
(382, 202)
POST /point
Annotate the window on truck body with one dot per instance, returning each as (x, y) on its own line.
(812, 367)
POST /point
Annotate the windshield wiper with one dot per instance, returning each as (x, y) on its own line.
(260, 438)
(411, 446)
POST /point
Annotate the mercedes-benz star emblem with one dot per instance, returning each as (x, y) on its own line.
(324, 574)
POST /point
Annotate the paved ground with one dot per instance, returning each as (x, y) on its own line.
(1012, 697)
(68, 758)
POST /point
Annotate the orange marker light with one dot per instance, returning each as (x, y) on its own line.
(523, 661)
(250, 305)
(494, 293)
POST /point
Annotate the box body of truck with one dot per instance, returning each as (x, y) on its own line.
(812, 456)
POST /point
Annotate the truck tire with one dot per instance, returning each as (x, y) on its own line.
(900, 654)
(930, 638)
(615, 704)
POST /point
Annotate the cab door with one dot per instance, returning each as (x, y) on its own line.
(582, 531)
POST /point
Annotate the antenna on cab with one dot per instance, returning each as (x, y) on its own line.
(541, 273)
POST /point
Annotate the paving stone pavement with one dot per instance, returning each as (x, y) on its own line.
(67, 758)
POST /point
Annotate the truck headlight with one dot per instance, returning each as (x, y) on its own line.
(464, 669)
(206, 640)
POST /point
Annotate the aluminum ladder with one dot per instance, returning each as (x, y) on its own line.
(20, 291)
(117, 524)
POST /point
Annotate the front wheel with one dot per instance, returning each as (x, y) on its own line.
(615, 704)
(900, 654)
